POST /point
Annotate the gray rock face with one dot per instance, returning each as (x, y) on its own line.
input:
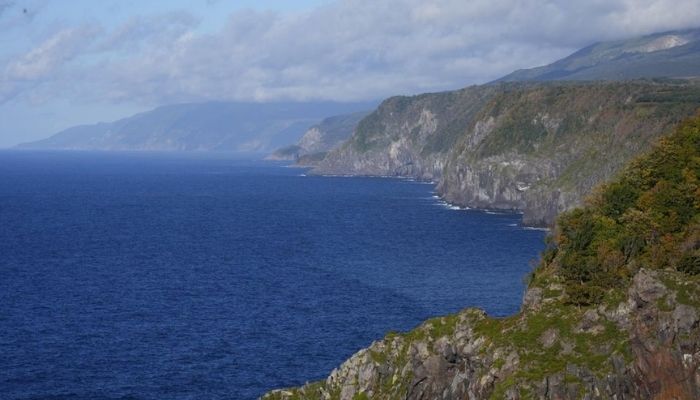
(537, 148)
(407, 136)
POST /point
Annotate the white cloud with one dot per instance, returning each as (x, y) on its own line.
(346, 50)
(52, 54)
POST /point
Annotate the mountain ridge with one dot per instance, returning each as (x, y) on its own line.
(671, 54)
(212, 126)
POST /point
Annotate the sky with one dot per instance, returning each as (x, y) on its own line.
(69, 62)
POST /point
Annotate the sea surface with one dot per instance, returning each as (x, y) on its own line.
(185, 276)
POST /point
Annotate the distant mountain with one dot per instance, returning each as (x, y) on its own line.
(214, 126)
(674, 54)
(320, 138)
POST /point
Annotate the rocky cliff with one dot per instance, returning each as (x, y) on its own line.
(644, 347)
(537, 148)
(319, 139)
(612, 311)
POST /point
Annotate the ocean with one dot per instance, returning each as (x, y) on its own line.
(200, 276)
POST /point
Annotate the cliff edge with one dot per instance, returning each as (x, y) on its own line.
(534, 147)
(319, 139)
(612, 311)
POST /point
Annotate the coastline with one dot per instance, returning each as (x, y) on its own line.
(437, 195)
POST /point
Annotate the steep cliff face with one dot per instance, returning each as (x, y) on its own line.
(408, 136)
(534, 148)
(319, 139)
(612, 311)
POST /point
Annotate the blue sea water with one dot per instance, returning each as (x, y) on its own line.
(184, 276)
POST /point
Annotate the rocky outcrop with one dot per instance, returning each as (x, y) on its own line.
(645, 345)
(537, 148)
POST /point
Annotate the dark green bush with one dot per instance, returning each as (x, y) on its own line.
(690, 264)
(646, 218)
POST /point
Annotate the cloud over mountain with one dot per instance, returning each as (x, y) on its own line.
(343, 50)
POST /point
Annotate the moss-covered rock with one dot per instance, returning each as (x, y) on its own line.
(633, 349)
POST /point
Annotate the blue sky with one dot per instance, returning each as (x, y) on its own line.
(24, 24)
(68, 62)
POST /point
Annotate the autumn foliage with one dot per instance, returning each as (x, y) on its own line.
(647, 218)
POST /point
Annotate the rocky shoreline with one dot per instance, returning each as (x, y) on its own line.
(535, 148)
(647, 346)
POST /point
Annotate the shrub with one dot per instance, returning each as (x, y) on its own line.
(648, 217)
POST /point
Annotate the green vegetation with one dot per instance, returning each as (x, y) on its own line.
(649, 217)
(671, 96)
(311, 159)
(686, 289)
(536, 119)
(370, 131)
(457, 110)
(443, 326)
(311, 391)
(569, 344)
(517, 130)
(288, 151)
